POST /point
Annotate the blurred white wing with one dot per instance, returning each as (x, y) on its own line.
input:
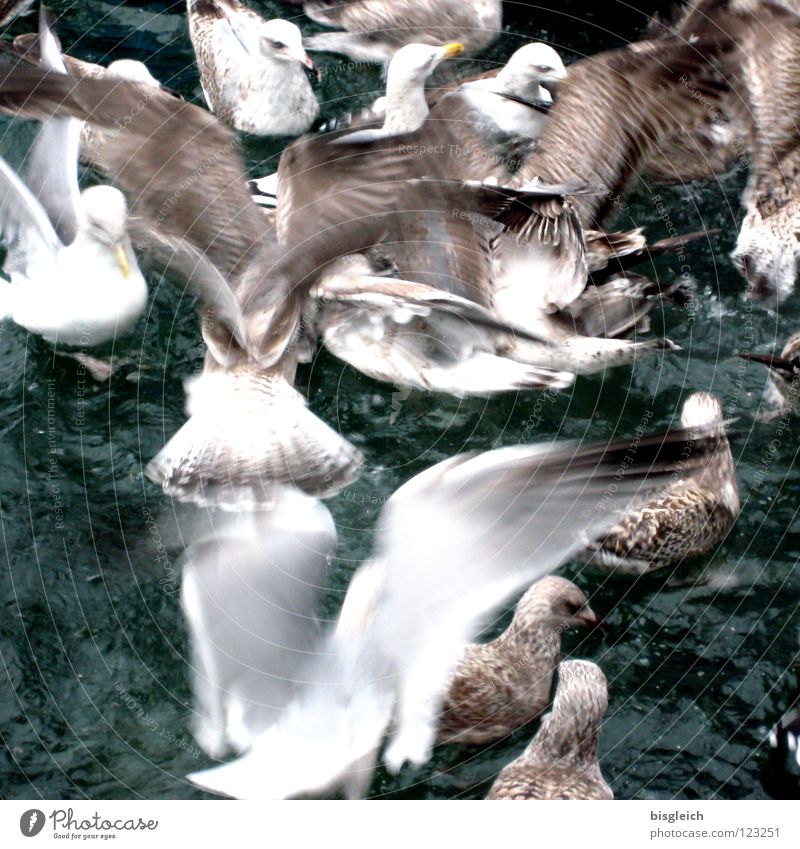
(250, 590)
(52, 164)
(24, 226)
(465, 536)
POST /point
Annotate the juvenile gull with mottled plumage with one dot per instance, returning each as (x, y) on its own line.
(454, 543)
(690, 517)
(253, 71)
(561, 760)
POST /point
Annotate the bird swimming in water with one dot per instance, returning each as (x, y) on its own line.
(561, 761)
(781, 777)
(498, 687)
(689, 517)
(27, 46)
(73, 277)
(253, 71)
(375, 29)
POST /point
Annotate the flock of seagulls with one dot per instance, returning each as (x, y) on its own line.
(452, 239)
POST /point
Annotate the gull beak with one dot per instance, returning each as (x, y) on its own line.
(545, 98)
(587, 618)
(305, 60)
(454, 48)
(122, 259)
(552, 80)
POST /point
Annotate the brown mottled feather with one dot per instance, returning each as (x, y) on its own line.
(500, 686)
(401, 22)
(561, 760)
(612, 112)
(688, 518)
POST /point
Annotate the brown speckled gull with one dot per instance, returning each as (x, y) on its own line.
(500, 686)
(690, 517)
(561, 760)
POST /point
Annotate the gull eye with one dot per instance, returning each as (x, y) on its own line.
(276, 45)
(544, 69)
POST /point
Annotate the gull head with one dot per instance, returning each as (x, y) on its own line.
(532, 66)
(282, 41)
(136, 72)
(413, 64)
(702, 409)
(554, 602)
(105, 217)
(767, 251)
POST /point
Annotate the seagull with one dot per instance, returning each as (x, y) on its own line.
(761, 99)
(689, 518)
(500, 118)
(253, 71)
(441, 336)
(305, 708)
(404, 108)
(768, 99)
(496, 118)
(467, 321)
(337, 197)
(428, 335)
(500, 686)
(394, 329)
(561, 761)
(376, 29)
(228, 255)
(72, 274)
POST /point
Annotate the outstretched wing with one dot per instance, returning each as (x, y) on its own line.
(178, 165)
(249, 592)
(52, 164)
(466, 535)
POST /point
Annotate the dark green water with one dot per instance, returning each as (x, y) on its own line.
(94, 696)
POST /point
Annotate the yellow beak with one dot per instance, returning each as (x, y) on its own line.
(119, 253)
(454, 48)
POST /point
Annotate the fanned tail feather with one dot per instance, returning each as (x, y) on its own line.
(248, 433)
